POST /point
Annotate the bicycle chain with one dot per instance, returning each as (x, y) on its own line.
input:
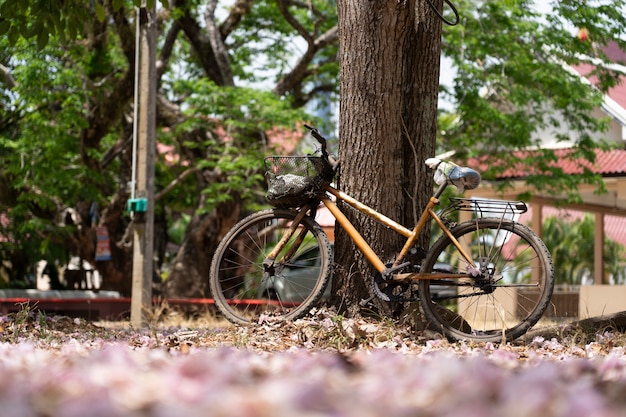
(385, 297)
(474, 294)
(381, 294)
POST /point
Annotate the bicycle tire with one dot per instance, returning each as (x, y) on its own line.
(501, 304)
(244, 292)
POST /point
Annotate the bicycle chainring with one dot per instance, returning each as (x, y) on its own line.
(388, 290)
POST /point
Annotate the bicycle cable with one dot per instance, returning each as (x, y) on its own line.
(454, 10)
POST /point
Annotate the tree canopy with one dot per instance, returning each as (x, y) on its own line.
(66, 119)
(571, 242)
(512, 80)
(234, 80)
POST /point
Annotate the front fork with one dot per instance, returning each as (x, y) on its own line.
(269, 261)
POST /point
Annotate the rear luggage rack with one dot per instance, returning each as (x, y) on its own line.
(485, 207)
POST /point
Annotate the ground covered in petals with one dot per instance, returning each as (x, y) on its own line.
(321, 365)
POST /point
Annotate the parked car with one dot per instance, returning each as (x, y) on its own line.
(297, 281)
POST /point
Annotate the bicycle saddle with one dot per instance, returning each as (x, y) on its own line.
(463, 178)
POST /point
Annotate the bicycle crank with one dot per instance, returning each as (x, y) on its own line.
(391, 290)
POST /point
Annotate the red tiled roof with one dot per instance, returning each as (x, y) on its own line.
(617, 56)
(617, 93)
(608, 163)
(614, 53)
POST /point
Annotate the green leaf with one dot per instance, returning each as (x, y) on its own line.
(13, 36)
(42, 38)
(117, 4)
(5, 25)
(100, 12)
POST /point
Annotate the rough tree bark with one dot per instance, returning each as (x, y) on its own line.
(389, 66)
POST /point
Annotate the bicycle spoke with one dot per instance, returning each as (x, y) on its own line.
(506, 293)
(244, 290)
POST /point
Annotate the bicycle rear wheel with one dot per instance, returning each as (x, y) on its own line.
(504, 297)
(244, 290)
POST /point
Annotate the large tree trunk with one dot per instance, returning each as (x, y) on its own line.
(389, 63)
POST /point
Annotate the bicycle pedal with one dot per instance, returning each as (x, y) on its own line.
(366, 301)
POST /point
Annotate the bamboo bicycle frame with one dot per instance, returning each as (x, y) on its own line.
(411, 235)
(360, 242)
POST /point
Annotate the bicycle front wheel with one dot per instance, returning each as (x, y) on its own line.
(502, 296)
(244, 289)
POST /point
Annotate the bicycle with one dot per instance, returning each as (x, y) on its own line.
(484, 279)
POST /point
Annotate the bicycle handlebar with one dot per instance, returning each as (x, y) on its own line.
(463, 178)
(332, 163)
(321, 139)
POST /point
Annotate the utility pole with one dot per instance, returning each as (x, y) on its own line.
(142, 203)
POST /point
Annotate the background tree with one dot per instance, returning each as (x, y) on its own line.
(571, 243)
(72, 92)
(511, 81)
(229, 73)
(246, 115)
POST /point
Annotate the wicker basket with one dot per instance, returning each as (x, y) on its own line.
(292, 181)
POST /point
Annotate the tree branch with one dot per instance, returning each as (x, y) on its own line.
(115, 150)
(299, 71)
(175, 182)
(8, 77)
(166, 49)
(296, 76)
(217, 44)
(200, 43)
(284, 10)
(302, 99)
(237, 12)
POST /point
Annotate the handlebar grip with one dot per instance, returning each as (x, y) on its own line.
(316, 134)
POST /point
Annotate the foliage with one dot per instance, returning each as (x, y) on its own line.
(571, 245)
(66, 101)
(231, 115)
(47, 113)
(512, 81)
(64, 19)
(66, 106)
